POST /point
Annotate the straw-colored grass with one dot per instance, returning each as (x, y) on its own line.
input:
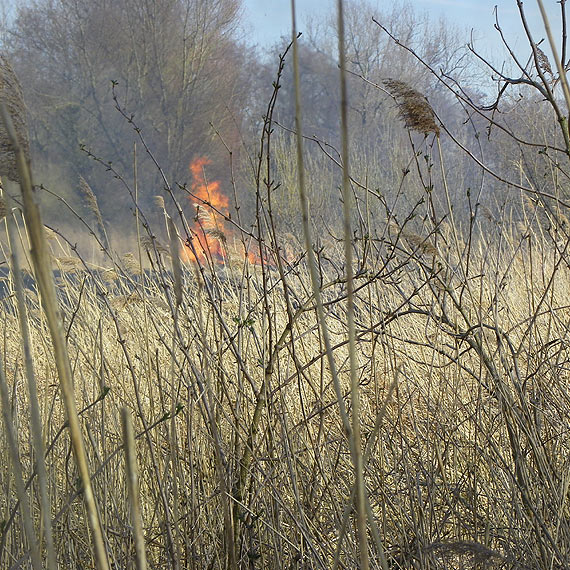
(442, 473)
(401, 404)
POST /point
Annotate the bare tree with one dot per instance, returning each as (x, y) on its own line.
(174, 64)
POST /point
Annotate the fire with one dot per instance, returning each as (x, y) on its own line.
(210, 239)
(208, 192)
(211, 208)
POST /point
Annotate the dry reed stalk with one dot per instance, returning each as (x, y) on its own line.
(315, 284)
(17, 472)
(307, 234)
(44, 278)
(175, 258)
(413, 107)
(35, 413)
(171, 530)
(12, 98)
(12, 144)
(357, 458)
(3, 208)
(133, 487)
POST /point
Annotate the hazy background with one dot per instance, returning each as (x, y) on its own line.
(267, 20)
(194, 78)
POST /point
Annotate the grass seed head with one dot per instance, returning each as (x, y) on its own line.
(131, 264)
(68, 264)
(542, 60)
(50, 234)
(110, 275)
(217, 234)
(149, 243)
(413, 107)
(91, 200)
(421, 245)
(159, 202)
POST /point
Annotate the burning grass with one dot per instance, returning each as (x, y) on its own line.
(213, 239)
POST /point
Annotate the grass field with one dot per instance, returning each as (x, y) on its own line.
(462, 364)
(392, 395)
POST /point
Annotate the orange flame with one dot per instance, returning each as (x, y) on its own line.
(208, 192)
(210, 234)
(211, 208)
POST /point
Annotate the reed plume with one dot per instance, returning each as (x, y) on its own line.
(413, 107)
(93, 205)
(543, 62)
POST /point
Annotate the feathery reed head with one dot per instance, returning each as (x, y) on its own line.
(217, 234)
(542, 60)
(420, 244)
(150, 243)
(109, 275)
(159, 202)
(91, 200)
(131, 264)
(68, 263)
(413, 107)
(90, 197)
(11, 96)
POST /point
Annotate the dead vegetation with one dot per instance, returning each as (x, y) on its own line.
(187, 406)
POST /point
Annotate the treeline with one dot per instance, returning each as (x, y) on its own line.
(184, 75)
(175, 67)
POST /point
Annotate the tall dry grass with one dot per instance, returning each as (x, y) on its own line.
(462, 382)
(211, 398)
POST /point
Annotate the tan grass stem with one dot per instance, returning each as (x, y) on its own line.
(44, 278)
(347, 227)
(17, 472)
(175, 259)
(308, 236)
(35, 413)
(133, 487)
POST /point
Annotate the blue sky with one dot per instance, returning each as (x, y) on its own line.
(265, 21)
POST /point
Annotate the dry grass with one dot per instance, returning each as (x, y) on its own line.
(442, 472)
(213, 429)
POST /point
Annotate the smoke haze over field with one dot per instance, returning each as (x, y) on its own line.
(79, 59)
